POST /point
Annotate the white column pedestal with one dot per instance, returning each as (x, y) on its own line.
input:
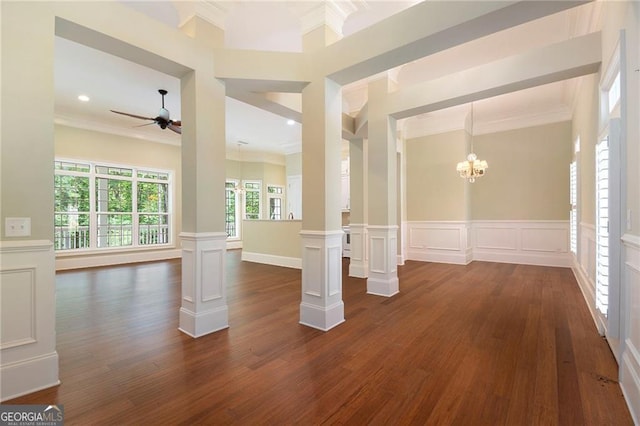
(204, 298)
(359, 261)
(383, 270)
(321, 305)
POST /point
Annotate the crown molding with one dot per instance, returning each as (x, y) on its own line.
(554, 115)
(442, 123)
(331, 13)
(213, 11)
(114, 130)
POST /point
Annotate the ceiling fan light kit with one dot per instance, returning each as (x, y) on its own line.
(163, 120)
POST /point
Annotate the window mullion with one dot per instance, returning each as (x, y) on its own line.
(134, 209)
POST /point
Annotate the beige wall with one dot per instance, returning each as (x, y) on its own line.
(273, 237)
(527, 179)
(528, 175)
(79, 144)
(585, 127)
(294, 164)
(434, 189)
(267, 173)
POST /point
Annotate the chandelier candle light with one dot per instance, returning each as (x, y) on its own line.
(239, 189)
(472, 168)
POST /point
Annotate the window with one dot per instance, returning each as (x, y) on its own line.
(72, 210)
(99, 206)
(613, 95)
(573, 200)
(275, 195)
(231, 212)
(252, 200)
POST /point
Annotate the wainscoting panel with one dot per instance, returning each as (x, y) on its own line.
(28, 357)
(445, 242)
(585, 269)
(495, 237)
(630, 365)
(20, 285)
(527, 242)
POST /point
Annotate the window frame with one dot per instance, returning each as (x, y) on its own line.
(245, 185)
(275, 195)
(93, 176)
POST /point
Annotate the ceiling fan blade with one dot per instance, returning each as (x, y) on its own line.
(176, 123)
(146, 124)
(133, 115)
(175, 128)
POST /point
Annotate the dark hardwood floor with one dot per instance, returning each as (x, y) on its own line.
(483, 344)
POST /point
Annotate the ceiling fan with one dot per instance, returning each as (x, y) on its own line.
(161, 120)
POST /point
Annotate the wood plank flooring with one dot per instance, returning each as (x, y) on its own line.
(483, 344)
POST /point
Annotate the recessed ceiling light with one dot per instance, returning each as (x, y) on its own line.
(83, 98)
(291, 122)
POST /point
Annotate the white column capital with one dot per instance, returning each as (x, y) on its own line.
(331, 13)
(214, 12)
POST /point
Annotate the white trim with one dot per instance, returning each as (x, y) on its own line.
(271, 259)
(588, 290)
(10, 246)
(29, 375)
(234, 244)
(107, 259)
(320, 234)
(631, 240)
(630, 379)
(539, 242)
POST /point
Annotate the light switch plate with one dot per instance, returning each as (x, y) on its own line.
(17, 227)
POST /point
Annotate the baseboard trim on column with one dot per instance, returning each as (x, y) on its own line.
(359, 270)
(197, 325)
(385, 288)
(323, 319)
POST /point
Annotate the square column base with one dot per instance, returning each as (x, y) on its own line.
(321, 306)
(382, 287)
(204, 300)
(197, 325)
(321, 318)
(383, 268)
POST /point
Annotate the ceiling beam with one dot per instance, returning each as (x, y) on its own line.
(424, 29)
(572, 58)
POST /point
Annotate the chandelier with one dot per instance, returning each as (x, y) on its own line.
(239, 187)
(472, 168)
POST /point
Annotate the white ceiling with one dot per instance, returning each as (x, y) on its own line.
(114, 83)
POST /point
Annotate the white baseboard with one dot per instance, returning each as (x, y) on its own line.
(232, 245)
(630, 379)
(539, 259)
(107, 259)
(443, 256)
(270, 259)
(588, 289)
(542, 242)
(28, 376)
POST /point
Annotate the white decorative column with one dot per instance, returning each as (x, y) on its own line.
(204, 301)
(383, 198)
(321, 305)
